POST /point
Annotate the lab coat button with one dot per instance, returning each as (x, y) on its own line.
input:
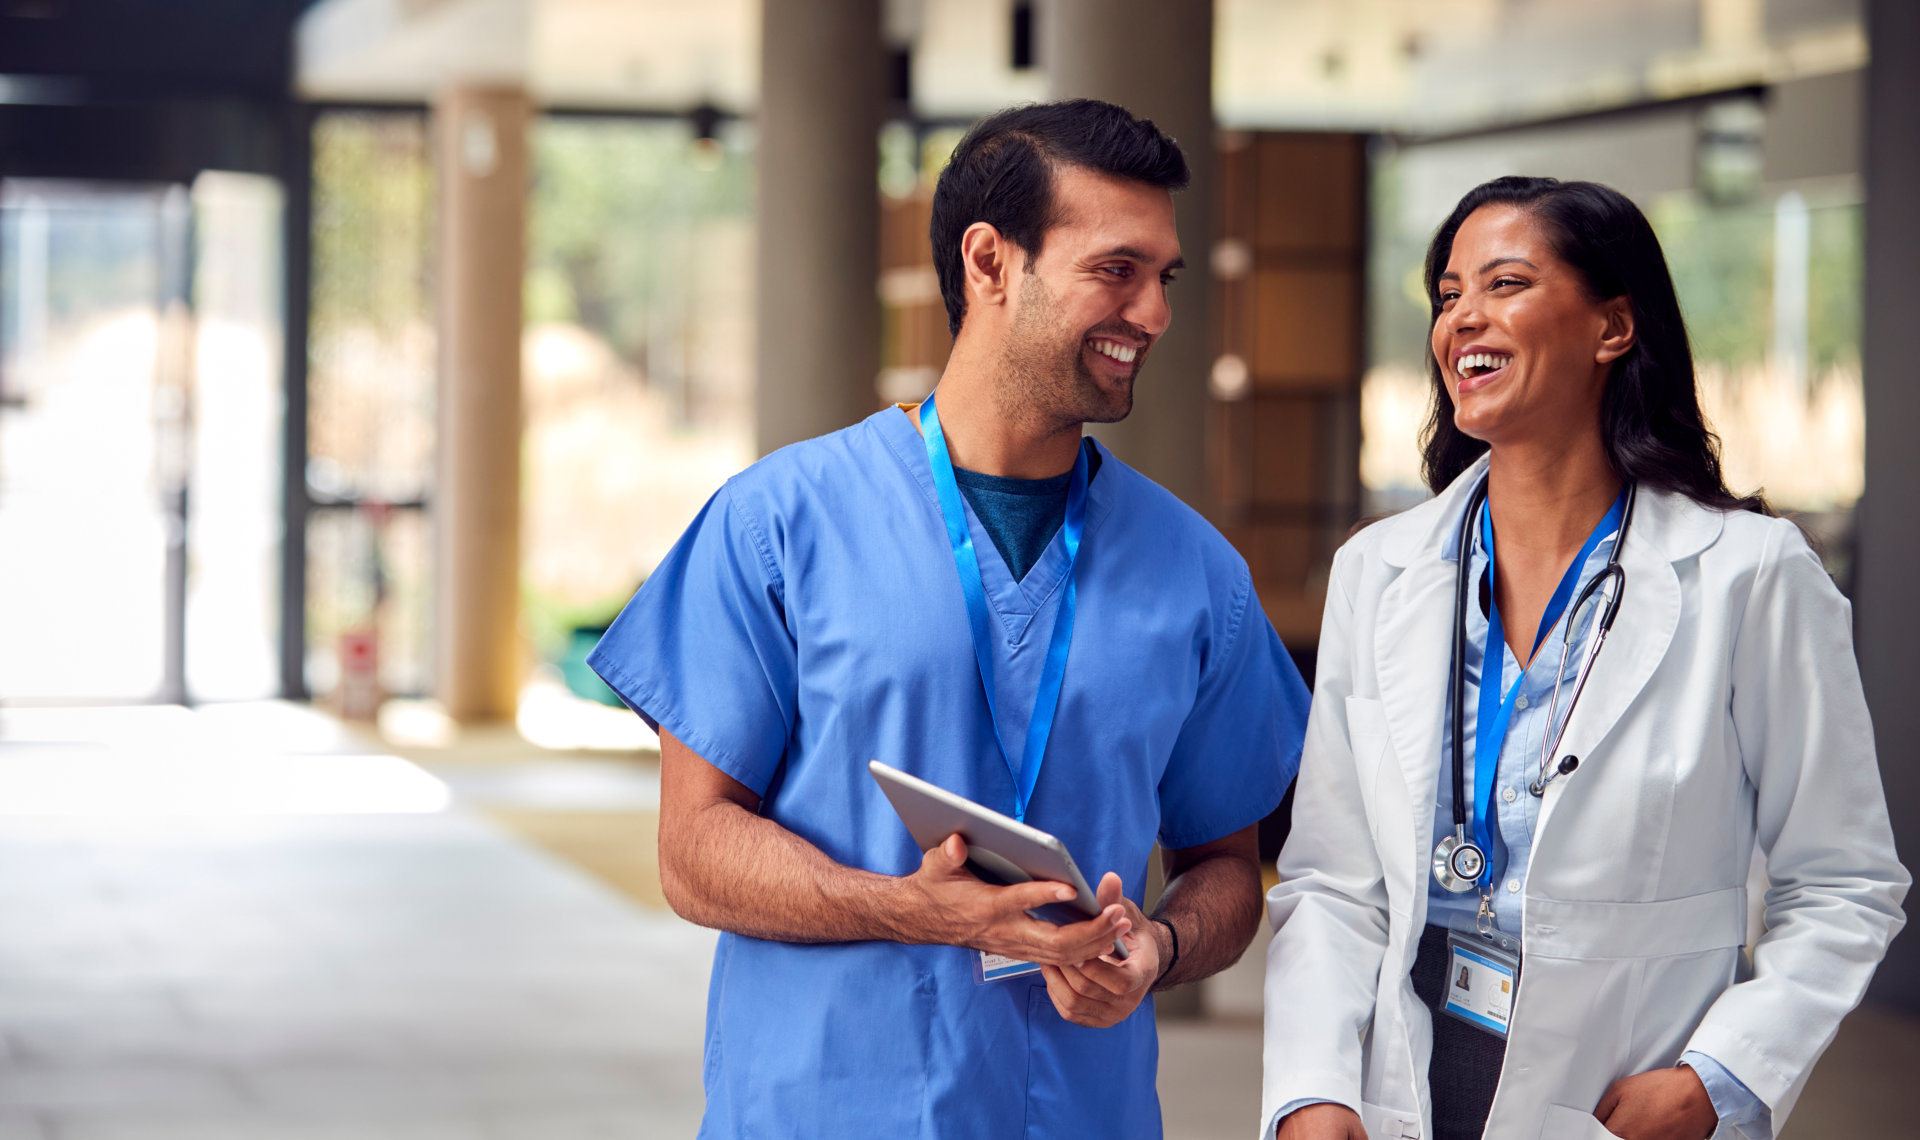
(1521, 703)
(1513, 886)
(1509, 795)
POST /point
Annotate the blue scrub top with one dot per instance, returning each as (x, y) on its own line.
(811, 620)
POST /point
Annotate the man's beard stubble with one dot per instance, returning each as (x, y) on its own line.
(1045, 377)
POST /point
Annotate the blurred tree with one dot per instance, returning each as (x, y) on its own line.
(613, 203)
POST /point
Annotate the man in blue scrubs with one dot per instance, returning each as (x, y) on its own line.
(860, 596)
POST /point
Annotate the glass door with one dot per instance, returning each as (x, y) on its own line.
(95, 382)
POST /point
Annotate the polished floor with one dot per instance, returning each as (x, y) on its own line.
(248, 923)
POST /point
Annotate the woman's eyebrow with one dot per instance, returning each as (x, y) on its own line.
(1450, 275)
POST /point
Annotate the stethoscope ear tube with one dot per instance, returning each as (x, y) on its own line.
(1539, 785)
(1457, 677)
(1457, 849)
(1611, 572)
(1458, 861)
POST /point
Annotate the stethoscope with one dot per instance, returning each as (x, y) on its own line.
(1458, 862)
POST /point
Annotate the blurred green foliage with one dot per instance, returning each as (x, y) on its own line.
(613, 200)
(1722, 265)
(373, 190)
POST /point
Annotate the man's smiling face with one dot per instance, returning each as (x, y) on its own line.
(1088, 309)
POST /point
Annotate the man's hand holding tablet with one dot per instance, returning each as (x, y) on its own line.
(958, 908)
(993, 879)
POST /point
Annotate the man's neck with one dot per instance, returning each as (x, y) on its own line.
(986, 435)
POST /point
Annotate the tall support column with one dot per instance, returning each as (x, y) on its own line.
(1887, 620)
(817, 299)
(481, 152)
(297, 177)
(1093, 49)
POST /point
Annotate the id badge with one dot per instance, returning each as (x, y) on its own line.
(999, 967)
(1481, 976)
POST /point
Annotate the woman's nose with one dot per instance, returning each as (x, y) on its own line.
(1464, 316)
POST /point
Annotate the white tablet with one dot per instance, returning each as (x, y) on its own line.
(1000, 849)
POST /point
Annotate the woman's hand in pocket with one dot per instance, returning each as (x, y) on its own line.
(1664, 1104)
(1322, 1122)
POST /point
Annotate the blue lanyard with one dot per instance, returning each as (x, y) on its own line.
(1053, 671)
(1496, 712)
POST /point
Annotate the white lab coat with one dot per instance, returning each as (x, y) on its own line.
(1724, 710)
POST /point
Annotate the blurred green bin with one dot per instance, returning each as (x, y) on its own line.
(582, 681)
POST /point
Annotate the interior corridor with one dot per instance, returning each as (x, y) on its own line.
(248, 922)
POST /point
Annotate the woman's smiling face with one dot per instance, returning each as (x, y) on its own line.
(1523, 347)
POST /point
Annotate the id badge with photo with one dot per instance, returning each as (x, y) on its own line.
(999, 967)
(1481, 975)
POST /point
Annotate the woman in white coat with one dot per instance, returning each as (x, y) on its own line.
(1554, 944)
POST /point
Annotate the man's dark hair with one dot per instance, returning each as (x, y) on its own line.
(1002, 174)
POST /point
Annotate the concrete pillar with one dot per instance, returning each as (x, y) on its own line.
(481, 159)
(1156, 59)
(1887, 619)
(817, 298)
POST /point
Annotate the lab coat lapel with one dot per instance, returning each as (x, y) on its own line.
(1666, 529)
(1413, 650)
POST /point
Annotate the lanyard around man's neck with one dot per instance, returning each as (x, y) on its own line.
(1026, 772)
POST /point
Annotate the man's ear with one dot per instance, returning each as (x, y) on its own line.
(986, 260)
(1617, 336)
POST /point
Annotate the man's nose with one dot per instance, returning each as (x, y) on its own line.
(1150, 311)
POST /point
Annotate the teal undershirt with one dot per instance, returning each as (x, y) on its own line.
(1020, 515)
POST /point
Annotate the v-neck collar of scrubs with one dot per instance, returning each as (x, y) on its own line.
(1014, 602)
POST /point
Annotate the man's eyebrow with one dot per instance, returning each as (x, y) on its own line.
(1450, 275)
(1135, 253)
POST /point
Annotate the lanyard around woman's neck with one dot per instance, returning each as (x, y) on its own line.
(1496, 707)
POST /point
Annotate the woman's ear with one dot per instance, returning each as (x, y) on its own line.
(984, 260)
(1617, 336)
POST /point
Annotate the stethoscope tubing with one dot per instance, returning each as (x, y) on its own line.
(1609, 573)
(1457, 679)
(1612, 572)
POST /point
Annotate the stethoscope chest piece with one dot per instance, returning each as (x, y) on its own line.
(1458, 864)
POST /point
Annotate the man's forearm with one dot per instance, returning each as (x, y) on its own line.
(1214, 906)
(725, 867)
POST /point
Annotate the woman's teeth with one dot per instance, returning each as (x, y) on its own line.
(1476, 363)
(1119, 352)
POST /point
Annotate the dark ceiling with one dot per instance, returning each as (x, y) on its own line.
(113, 50)
(147, 89)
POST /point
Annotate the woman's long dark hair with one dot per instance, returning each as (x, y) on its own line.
(1650, 417)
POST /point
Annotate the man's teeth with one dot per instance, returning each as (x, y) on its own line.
(1119, 352)
(1477, 362)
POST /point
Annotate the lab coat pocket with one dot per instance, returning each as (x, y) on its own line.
(1565, 1123)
